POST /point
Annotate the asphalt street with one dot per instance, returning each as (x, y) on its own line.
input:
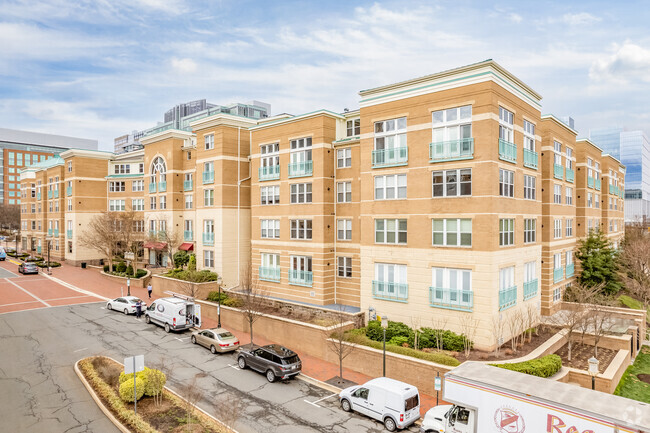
(39, 391)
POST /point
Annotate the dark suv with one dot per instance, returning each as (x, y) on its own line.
(275, 361)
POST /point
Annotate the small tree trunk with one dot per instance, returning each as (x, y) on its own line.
(569, 351)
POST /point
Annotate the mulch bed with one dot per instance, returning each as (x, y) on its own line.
(644, 377)
(506, 352)
(580, 353)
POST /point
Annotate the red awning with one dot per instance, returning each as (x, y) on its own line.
(186, 246)
(155, 245)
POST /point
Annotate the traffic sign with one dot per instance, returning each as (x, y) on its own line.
(133, 364)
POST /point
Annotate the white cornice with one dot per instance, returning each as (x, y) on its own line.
(559, 122)
(222, 119)
(298, 118)
(164, 135)
(95, 154)
(588, 141)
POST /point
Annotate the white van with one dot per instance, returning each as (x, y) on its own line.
(174, 314)
(395, 403)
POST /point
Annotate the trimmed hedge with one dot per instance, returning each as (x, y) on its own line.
(44, 264)
(126, 390)
(545, 366)
(226, 300)
(34, 259)
(426, 336)
(203, 276)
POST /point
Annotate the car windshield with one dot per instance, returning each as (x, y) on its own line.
(133, 301)
(290, 359)
(225, 335)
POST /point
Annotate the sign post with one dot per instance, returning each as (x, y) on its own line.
(134, 364)
(437, 385)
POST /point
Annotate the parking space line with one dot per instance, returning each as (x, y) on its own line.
(79, 350)
(234, 366)
(315, 403)
(30, 294)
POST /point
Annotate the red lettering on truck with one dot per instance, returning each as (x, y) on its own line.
(554, 424)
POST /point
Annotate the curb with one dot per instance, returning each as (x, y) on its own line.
(319, 383)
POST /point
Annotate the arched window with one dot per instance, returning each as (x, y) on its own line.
(159, 168)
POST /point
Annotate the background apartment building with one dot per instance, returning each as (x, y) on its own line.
(446, 200)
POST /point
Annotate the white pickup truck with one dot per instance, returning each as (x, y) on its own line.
(494, 400)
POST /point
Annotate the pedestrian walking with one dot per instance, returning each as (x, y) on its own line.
(138, 309)
(149, 290)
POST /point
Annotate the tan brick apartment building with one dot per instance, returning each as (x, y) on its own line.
(442, 198)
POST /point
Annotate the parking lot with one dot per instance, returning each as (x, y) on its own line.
(43, 393)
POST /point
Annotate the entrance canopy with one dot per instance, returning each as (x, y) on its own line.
(152, 245)
(186, 246)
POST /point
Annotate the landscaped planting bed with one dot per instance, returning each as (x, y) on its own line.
(580, 353)
(635, 383)
(168, 415)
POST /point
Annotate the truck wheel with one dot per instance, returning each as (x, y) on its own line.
(241, 362)
(389, 423)
(147, 319)
(270, 376)
(213, 350)
(345, 405)
(193, 339)
(167, 329)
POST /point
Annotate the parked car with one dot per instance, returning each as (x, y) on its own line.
(28, 268)
(395, 403)
(125, 304)
(217, 340)
(174, 314)
(275, 361)
(3, 254)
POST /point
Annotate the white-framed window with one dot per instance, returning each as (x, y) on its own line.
(208, 258)
(568, 191)
(270, 260)
(530, 231)
(208, 141)
(390, 187)
(557, 153)
(452, 287)
(506, 122)
(141, 167)
(137, 204)
(557, 194)
(597, 170)
(116, 205)
(506, 231)
(137, 185)
(300, 193)
(122, 168)
(390, 134)
(270, 229)
(208, 167)
(615, 225)
(208, 197)
(208, 226)
(451, 124)
(300, 263)
(344, 230)
(353, 127)
(390, 231)
(163, 202)
(270, 194)
(117, 186)
(557, 294)
(270, 155)
(152, 203)
(138, 226)
(506, 183)
(345, 267)
(300, 229)
(452, 232)
(569, 227)
(530, 271)
(590, 170)
(388, 275)
(188, 177)
(589, 223)
(506, 278)
(590, 199)
(344, 192)
(344, 158)
(188, 226)
(69, 166)
(189, 201)
(163, 225)
(557, 261)
(300, 150)
(69, 204)
(569, 258)
(529, 136)
(530, 190)
(597, 201)
(557, 228)
(569, 155)
(451, 183)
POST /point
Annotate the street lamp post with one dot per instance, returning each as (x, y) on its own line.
(593, 371)
(49, 247)
(219, 281)
(128, 286)
(384, 324)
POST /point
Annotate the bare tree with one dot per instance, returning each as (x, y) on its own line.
(9, 217)
(173, 239)
(439, 326)
(635, 263)
(337, 340)
(573, 318)
(514, 322)
(600, 319)
(191, 394)
(228, 409)
(468, 326)
(102, 235)
(187, 288)
(254, 303)
(532, 316)
(497, 332)
(415, 325)
(157, 380)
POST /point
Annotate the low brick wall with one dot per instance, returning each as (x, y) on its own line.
(606, 382)
(135, 282)
(161, 285)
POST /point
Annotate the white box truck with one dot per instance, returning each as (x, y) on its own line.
(174, 314)
(494, 400)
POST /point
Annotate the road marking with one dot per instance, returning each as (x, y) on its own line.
(79, 350)
(29, 302)
(312, 403)
(103, 308)
(75, 288)
(315, 403)
(32, 295)
(14, 262)
(234, 366)
(180, 339)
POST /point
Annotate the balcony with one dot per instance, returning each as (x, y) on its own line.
(301, 278)
(269, 274)
(507, 151)
(188, 185)
(208, 177)
(38, 196)
(68, 191)
(530, 289)
(507, 298)
(68, 234)
(452, 299)
(390, 291)
(162, 186)
(152, 187)
(598, 184)
(55, 193)
(38, 249)
(530, 159)
(570, 174)
(188, 235)
(590, 181)
(301, 169)
(390, 157)
(558, 275)
(452, 150)
(570, 270)
(270, 172)
(208, 238)
(558, 171)
(56, 233)
(49, 194)
(49, 232)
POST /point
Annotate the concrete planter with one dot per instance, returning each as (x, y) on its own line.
(135, 282)
(163, 286)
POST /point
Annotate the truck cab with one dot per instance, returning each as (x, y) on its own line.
(448, 418)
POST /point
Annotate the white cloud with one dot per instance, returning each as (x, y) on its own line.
(515, 17)
(579, 19)
(629, 63)
(185, 66)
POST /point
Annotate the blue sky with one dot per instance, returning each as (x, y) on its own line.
(102, 68)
